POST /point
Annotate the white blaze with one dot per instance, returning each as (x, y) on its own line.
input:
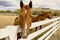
(25, 29)
(25, 11)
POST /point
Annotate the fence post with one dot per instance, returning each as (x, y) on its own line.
(13, 35)
(6, 38)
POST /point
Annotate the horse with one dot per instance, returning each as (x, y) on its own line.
(24, 19)
(42, 16)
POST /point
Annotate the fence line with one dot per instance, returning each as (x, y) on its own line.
(11, 31)
(34, 34)
(35, 24)
(31, 36)
(47, 34)
(52, 33)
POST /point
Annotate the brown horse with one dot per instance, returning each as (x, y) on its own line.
(42, 16)
(37, 18)
(24, 19)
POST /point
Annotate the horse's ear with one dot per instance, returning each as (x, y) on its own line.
(21, 4)
(30, 4)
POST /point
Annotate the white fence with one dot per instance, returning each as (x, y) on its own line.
(11, 31)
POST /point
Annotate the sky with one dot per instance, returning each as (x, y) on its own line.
(14, 4)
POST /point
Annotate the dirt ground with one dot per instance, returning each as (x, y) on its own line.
(56, 35)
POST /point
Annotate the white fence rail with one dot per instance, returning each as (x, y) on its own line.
(53, 29)
(11, 31)
(31, 36)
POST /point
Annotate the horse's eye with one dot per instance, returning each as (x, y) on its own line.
(20, 15)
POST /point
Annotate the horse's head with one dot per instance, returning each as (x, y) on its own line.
(49, 14)
(25, 9)
(25, 18)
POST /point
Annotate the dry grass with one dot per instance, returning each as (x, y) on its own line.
(56, 35)
(6, 20)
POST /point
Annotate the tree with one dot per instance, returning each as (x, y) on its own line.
(5, 11)
(8, 11)
(17, 11)
(35, 12)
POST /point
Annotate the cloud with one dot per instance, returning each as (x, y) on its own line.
(14, 4)
(5, 3)
(53, 4)
(8, 4)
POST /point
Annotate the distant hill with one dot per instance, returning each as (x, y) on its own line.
(54, 12)
(35, 11)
